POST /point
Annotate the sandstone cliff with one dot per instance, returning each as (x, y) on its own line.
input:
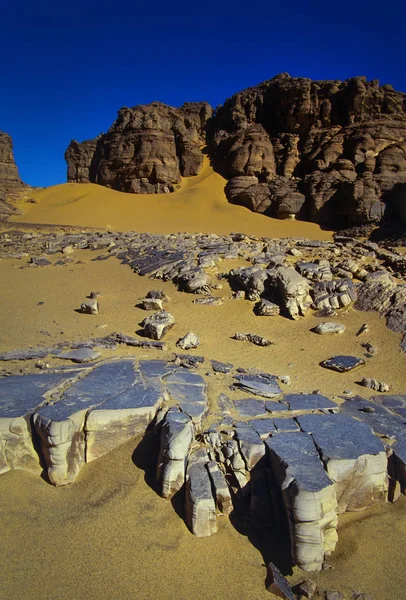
(331, 152)
(146, 150)
(11, 185)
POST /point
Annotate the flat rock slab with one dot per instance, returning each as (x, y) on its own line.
(250, 407)
(342, 363)
(396, 403)
(354, 457)
(81, 355)
(263, 385)
(20, 397)
(285, 425)
(309, 402)
(275, 407)
(263, 427)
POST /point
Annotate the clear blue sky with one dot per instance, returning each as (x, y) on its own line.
(68, 66)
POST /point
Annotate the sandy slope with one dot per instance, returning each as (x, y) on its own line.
(199, 205)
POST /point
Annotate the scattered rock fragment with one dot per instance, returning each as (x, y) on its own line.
(254, 339)
(90, 306)
(342, 363)
(81, 355)
(152, 304)
(220, 367)
(374, 384)
(325, 328)
(277, 584)
(188, 341)
(209, 301)
(263, 385)
(266, 308)
(372, 350)
(307, 589)
(158, 324)
(364, 329)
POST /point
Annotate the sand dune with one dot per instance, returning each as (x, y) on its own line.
(199, 205)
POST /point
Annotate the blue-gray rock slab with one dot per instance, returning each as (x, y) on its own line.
(396, 403)
(250, 407)
(189, 393)
(263, 385)
(155, 368)
(81, 355)
(341, 436)
(379, 418)
(285, 425)
(354, 457)
(22, 394)
(200, 510)
(342, 363)
(273, 406)
(302, 461)
(264, 427)
(184, 376)
(309, 402)
(104, 382)
(120, 418)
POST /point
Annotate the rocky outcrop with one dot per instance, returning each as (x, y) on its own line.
(10, 181)
(332, 152)
(11, 185)
(146, 150)
(329, 151)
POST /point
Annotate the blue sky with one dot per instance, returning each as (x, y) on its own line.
(67, 67)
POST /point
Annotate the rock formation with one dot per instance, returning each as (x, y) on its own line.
(326, 151)
(146, 150)
(11, 185)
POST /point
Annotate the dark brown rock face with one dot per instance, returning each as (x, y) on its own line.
(146, 150)
(328, 151)
(10, 181)
(11, 185)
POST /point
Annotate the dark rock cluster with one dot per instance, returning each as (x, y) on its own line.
(331, 152)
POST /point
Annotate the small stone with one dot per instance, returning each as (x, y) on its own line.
(190, 340)
(286, 379)
(265, 308)
(157, 295)
(158, 324)
(238, 295)
(152, 304)
(277, 584)
(295, 252)
(209, 301)
(67, 250)
(90, 307)
(325, 328)
(372, 350)
(363, 329)
(307, 589)
(95, 295)
(254, 339)
(219, 367)
(333, 595)
(374, 384)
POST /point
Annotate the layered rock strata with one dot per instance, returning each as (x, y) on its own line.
(146, 150)
(332, 152)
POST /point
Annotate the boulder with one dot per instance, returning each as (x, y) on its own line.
(158, 324)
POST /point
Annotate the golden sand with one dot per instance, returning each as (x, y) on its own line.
(199, 205)
(110, 536)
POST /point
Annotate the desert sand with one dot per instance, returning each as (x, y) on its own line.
(199, 205)
(110, 535)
